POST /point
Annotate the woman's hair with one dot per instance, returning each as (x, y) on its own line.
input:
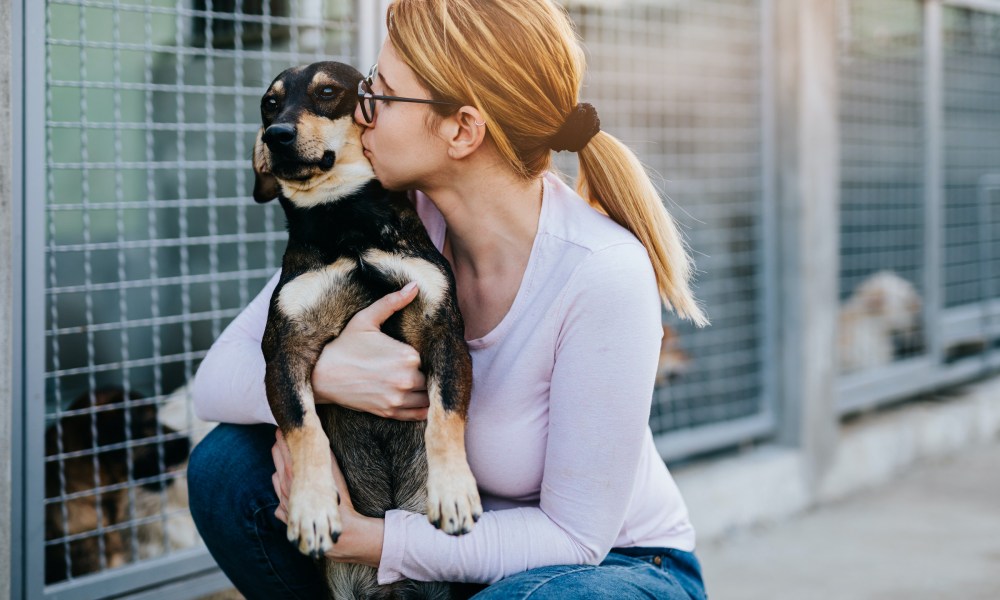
(520, 63)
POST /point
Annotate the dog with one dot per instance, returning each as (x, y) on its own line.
(129, 465)
(673, 361)
(350, 242)
(882, 315)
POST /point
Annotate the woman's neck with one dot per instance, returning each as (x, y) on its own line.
(491, 222)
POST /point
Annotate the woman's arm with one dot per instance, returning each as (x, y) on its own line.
(601, 389)
(362, 369)
(229, 384)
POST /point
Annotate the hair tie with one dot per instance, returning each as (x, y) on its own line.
(580, 126)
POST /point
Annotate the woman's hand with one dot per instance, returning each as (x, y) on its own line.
(364, 369)
(361, 539)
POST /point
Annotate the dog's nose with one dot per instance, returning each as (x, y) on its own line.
(279, 133)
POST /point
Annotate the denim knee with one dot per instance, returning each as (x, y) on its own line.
(230, 469)
(619, 577)
(232, 503)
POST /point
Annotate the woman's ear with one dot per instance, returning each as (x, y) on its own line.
(465, 132)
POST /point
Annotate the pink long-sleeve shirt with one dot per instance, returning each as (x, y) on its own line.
(557, 437)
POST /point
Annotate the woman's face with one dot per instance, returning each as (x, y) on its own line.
(402, 149)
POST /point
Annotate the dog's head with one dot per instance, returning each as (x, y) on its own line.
(106, 441)
(123, 429)
(892, 299)
(308, 148)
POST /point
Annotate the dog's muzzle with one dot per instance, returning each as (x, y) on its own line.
(279, 136)
(280, 139)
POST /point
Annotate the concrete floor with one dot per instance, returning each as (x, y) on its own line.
(934, 533)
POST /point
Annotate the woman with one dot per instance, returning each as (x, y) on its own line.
(562, 313)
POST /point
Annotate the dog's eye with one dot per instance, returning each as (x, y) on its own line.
(326, 92)
(269, 104)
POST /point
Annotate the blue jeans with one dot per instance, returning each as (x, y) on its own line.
(232, 502)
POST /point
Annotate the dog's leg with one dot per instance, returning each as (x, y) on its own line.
(433, 326)
(313, 518)
(453, 503)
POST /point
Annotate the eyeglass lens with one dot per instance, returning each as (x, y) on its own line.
(367, 96)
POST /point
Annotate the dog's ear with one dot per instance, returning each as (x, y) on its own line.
(265, 185)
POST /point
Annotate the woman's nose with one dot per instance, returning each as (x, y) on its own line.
(359, 118)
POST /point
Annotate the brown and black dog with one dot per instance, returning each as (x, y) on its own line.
(350, 242)
(104, 454)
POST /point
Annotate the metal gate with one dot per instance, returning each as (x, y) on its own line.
(920, 135)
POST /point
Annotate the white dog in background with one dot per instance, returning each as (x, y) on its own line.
(883, 309)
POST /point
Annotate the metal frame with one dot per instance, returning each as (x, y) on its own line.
(990, 6)
(933, 175)
(176, 572)
(769, 284)
(33, 384)
(18, 69)
(989, 307)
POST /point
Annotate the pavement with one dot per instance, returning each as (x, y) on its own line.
(933, 533)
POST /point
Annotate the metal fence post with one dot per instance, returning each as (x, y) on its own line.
(8, 262)
(807, 188)
(933, 178)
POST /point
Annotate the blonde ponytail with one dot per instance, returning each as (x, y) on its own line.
(612, 179)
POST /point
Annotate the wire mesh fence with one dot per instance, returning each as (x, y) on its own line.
(971, 153)
(152, 245)
(882, 230)
(680, 84)
(914, 226)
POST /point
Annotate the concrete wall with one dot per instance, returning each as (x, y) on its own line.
(7, 57)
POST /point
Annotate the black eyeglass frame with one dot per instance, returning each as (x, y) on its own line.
(367, 98)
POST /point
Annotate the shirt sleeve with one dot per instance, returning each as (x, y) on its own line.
(607, 344)
(229, 384)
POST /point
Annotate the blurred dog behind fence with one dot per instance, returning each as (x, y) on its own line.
(114, 481)
(879, 322)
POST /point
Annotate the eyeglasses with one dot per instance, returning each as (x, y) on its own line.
(367, 98)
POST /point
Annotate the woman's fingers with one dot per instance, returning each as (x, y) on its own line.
(338, 479)
(282, 467)
(412, 414)
(280, 513)
(372, 317)
(413, 407)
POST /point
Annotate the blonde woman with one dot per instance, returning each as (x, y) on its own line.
(561, 293)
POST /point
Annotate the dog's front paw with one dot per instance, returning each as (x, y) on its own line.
(313, 519)
(453, 504)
